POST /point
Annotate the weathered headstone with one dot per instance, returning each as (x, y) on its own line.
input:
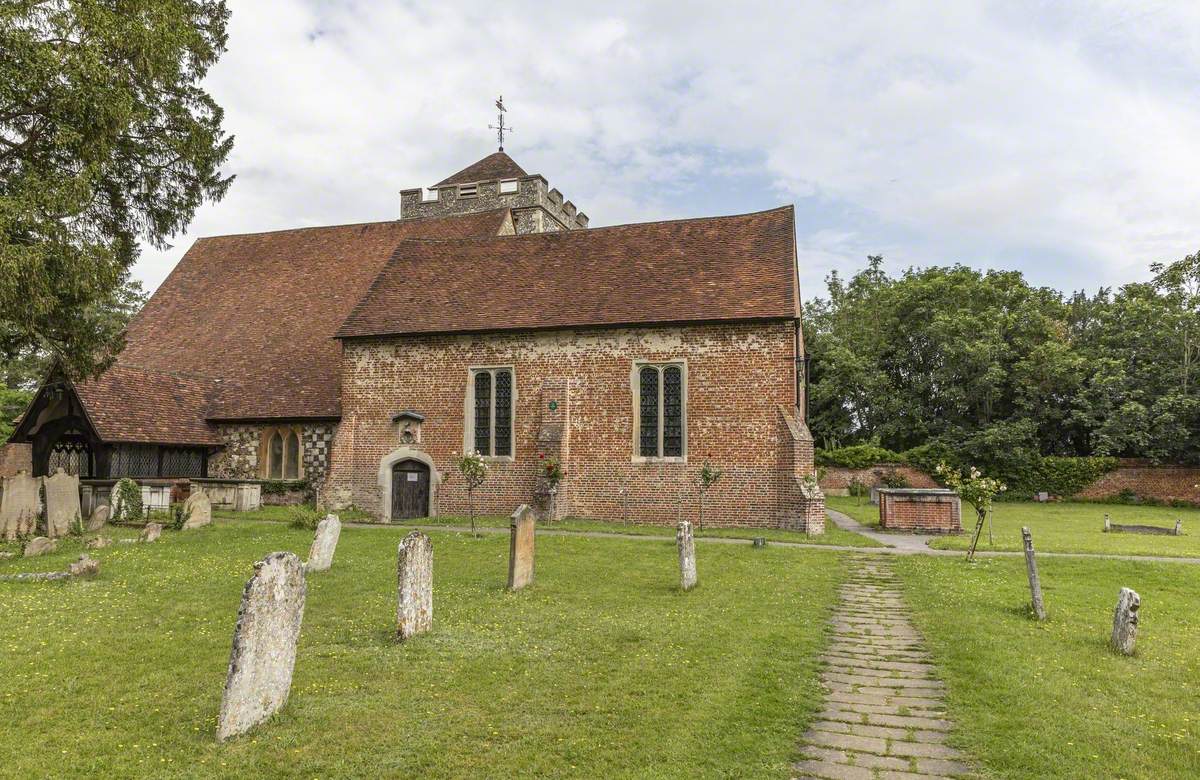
(98, 518)
(98, 542)
(687, 555)
(1125, 621)
(39, 545)
(520, 547)
(320, 555)
(20, 505)
(150, 533)
(414, 586)
(62, 503)
(1107, 523)
(1035, 584)
(264, 645)
(84, 567)
(1178, 527)
(198, 510)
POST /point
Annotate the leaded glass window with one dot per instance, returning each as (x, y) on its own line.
(661, 411)
(492, 411)
(276, 457)
(283, 454)
(291, 461)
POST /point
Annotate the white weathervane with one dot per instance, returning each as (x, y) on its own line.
(500, 127)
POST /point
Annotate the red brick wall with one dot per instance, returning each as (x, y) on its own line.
(737, 378)
(16, 457)
(920, 514)
(1164, 483)
(836, 480)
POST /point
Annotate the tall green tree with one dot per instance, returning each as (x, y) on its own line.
(106, 139)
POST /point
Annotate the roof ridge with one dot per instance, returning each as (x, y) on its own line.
(402, 220)
(601, 228)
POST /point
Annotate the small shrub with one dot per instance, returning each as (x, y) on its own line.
(278, 487)
(304, 517)
(127, 498)
(858, 488)
(893, 479)
(177, 516)
(858, 456)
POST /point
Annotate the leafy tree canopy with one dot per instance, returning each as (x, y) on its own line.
(105, 139)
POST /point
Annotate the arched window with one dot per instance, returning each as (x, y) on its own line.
(661, 402)
(282, 457)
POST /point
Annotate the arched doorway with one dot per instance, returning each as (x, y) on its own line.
(410, 489)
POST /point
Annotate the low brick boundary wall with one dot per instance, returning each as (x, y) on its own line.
(920, 511)
(836, 480)
(1146, 480)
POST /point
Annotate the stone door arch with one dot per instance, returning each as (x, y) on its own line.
(387, 473)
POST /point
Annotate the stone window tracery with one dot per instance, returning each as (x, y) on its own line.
(661, 410)
(490, 412)
(282, 455)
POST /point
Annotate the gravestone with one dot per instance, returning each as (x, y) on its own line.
(1035, 584)
(20, 505)
(874, 495)
(198, 510)
(320, 555)
(1125, 621)
(414, 586)
(150, 533)
(62, 503)
(84, 567)
(39, 545)
(687, 555)
(264, 645)
(98, 518)
(98, 543)
(520, 547)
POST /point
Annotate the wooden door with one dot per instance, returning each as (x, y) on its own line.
(410, 490)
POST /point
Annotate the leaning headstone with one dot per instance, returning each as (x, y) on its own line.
(20, 505)
(1125, 621)
(687, 555)
(414, 585)
(520, 547)
(39, 545)
(98, 518)
(62, 503)
(198, 510)
(264, 645)
(1035, 584)
(84, 567)
(320, 555)
(150, 533)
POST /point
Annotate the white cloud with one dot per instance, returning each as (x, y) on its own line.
(951, 132)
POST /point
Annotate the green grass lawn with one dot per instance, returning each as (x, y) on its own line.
(858, 508)
(604, 668)
(832, 536)
(1050, 700)
(1079, 527)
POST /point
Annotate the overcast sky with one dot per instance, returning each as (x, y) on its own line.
(1058, 138)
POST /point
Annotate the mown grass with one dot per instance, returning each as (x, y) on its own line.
(604, 668)
(832, 536)
(858, 508)
(1079, 527)
(1050, 700)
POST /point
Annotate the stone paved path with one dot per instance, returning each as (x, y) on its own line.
(883, 716)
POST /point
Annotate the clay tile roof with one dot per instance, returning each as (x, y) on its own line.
(495, 166)
(257, 312)
(712, 269)
(132, 404)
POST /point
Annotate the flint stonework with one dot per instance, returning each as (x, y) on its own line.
(62, 503)
(20, 505)
(320, 555)
(264, 645)
(521, 547)
(150, 533)
(687, 555)
(198, 509)
(414, 585)
(1125, 621)
(1035, 584)
(98, 518)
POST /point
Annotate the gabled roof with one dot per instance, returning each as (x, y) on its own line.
(712, 269)
(497, 165)
(258, 312)
(132, 404)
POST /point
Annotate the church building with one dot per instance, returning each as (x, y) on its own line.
(358, 362)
